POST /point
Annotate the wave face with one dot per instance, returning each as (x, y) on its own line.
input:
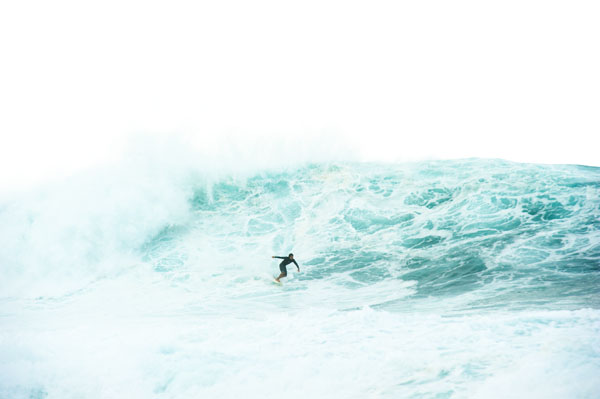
(445, 279)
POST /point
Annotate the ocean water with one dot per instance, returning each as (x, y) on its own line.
(442, 279)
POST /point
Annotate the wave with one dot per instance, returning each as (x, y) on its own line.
(512, 232)
(432, 279)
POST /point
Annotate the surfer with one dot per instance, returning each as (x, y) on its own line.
(283, 265)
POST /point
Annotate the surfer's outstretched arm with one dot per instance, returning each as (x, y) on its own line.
(279, 257)
(297, 267)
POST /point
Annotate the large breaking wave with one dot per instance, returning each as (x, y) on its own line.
(430, 279)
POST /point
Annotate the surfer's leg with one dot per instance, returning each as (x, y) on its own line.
(283, 272)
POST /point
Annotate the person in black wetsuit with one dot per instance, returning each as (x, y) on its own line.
(283, 265)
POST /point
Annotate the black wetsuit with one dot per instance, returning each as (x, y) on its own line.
(286, 261)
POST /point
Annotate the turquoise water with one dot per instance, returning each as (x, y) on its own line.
(441, 279)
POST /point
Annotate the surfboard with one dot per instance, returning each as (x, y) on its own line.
(277, 282)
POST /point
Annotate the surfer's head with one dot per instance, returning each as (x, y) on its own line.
(291, 256)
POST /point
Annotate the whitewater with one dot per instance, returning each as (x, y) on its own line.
(471, 278)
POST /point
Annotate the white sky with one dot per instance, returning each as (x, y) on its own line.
(395, 80)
